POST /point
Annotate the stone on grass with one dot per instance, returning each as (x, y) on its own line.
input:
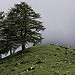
(17, 64)
(74, 49)
(57, 73)
(74, 53)
(67, 73)
(13, 69)
(66, 52)
(56, 54)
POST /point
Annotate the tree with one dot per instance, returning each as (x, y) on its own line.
(25, 24)
(22, 20)
(6, 35)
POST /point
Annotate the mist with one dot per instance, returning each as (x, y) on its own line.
(58, 17)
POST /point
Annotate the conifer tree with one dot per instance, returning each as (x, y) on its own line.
(6, 35)
(25, 24)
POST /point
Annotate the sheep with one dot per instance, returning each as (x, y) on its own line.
(52, 44)
(58, 48)
(61, 46)
(67, 47)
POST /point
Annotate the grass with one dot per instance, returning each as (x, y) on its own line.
(40, 60)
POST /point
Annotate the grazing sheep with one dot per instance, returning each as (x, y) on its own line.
(61, 46)
(58, 48)
(67, 47)
(52, 44)
(56, 44)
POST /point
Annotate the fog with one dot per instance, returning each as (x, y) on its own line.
(58, 16)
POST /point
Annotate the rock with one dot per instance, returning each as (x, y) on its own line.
(74, 53)
(17, 64)
(67, 73)
(74, 49)
(13, 69)
(66, 52)
(29, 69)
(56, 54)
(3, 69)
(36, 56)
(57, 73)
(32, 68)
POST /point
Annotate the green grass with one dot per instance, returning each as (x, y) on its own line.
(45, 60)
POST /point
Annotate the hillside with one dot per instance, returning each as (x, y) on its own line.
(40, 60)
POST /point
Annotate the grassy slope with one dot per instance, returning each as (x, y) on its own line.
(43, 60)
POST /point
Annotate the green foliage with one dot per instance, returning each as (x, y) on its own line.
(25, 23)
(43, 60)
(6, 39)
(20, 26)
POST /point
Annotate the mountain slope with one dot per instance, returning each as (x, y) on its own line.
(40, 60)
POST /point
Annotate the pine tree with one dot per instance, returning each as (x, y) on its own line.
(22, 20)
(6, 35)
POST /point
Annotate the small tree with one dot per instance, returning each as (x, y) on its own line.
(23, 21)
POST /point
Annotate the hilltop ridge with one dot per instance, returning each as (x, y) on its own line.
(40, 60)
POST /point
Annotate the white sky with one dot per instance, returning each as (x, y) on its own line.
(58, 17)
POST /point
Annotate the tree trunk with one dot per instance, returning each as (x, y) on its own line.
(23, 48)
(23, 45)
(10, 52)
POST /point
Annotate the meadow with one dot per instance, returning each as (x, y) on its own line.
(40, 60)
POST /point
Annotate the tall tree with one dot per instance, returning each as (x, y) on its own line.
(6, 35)
(25, 24)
